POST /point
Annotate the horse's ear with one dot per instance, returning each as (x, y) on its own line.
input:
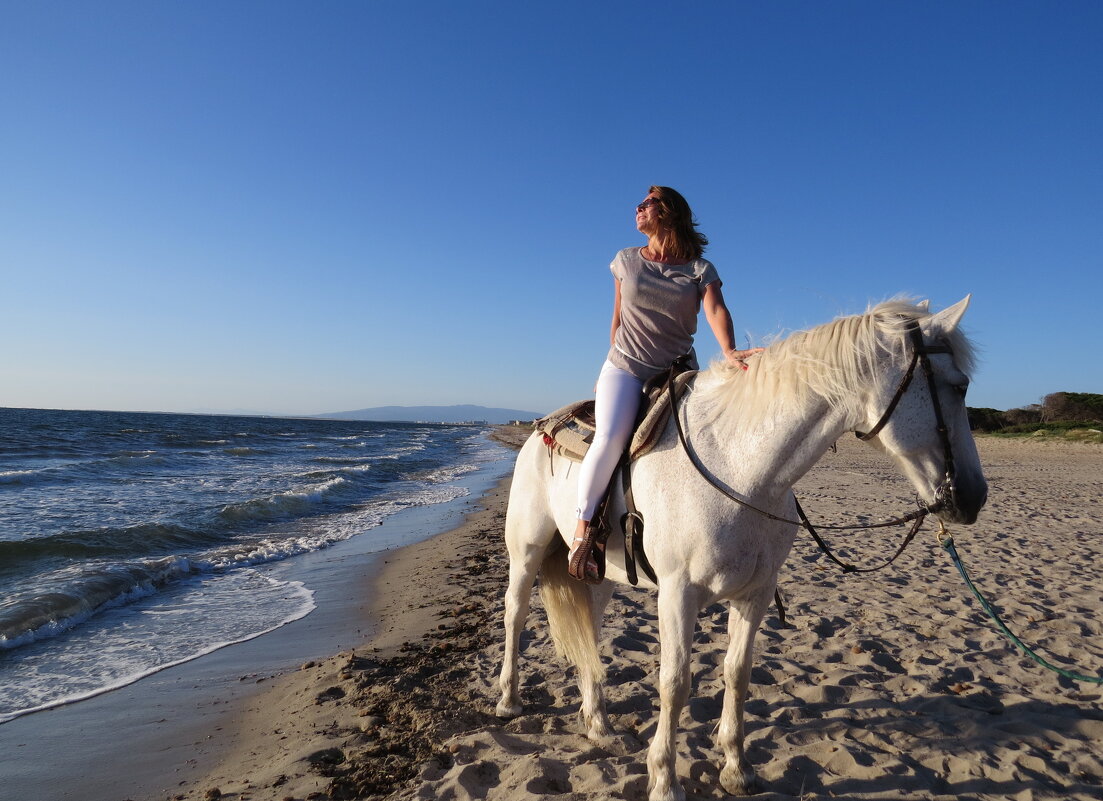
(924, 305)
(947, 319)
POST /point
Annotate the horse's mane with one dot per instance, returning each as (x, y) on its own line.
(825, 362)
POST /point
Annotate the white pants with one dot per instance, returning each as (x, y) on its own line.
(616, 402)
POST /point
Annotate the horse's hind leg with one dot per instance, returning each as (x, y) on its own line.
(522, 575)
(737, 776)
(528, 536)
(590, 682)
(574, 613)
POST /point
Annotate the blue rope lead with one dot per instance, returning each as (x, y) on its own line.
(947, 542)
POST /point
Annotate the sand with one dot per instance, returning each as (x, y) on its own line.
(892, 685)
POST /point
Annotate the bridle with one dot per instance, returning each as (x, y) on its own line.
(944, 493)
(921, 352)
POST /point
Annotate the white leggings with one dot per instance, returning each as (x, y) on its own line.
(617, 400)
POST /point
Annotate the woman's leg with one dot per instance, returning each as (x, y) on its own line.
(617, 400)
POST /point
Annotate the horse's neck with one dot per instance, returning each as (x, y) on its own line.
(772, 454)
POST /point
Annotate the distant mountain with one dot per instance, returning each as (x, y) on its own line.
(434, 414)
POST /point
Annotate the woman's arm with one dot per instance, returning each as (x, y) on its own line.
(616, 312)
(720, 321)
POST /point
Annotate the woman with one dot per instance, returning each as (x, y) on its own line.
(659, 290)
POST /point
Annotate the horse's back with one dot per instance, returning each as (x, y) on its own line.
(541, 496)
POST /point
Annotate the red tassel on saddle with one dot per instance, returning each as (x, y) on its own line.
(549, 443)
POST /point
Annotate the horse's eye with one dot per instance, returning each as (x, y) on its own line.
(961, 389)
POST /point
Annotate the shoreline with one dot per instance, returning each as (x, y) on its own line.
(384, 707)
(330, 747)
(171, 728)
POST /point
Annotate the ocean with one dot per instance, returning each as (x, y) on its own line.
(131, 542)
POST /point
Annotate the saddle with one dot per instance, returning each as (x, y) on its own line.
(570, 431)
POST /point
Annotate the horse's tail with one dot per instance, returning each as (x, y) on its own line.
(572, 615)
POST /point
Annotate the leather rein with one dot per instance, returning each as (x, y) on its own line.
(921, 353)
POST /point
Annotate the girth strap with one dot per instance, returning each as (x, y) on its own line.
(632, 520)
(632, 524)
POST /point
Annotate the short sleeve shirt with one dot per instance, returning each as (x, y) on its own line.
(659, 304)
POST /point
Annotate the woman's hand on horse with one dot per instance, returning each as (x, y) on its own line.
(737, 358)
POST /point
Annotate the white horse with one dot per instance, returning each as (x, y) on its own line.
(757, 432)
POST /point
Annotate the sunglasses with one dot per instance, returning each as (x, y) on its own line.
(651, 201)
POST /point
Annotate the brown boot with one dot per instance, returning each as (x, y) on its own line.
(585, 562)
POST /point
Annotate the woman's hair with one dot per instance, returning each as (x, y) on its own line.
(678, 232)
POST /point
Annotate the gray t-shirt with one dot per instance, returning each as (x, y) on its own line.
(658, 310)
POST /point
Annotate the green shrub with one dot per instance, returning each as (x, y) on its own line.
(984, 419)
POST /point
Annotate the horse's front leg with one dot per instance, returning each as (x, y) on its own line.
(677, 616)
(737, 776)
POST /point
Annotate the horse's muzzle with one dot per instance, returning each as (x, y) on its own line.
(962, 500)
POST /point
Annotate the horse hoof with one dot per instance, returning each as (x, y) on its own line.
(675, 793)
(599, 732)
(738, 782)
(504, 710)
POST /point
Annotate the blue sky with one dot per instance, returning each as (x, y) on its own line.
(303, 207)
